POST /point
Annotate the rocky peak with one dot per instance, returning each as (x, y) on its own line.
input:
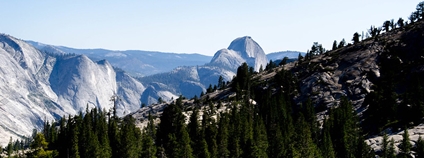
(242, 49)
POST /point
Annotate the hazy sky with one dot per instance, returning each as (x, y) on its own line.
(195, 26)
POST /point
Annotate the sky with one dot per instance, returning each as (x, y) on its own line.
(193, 26)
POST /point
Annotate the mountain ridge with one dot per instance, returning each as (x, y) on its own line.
(41, 86)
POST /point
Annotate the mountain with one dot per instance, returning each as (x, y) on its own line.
(135, 62)
(190, 81)
(38, 86)
(280, 55)
(242, 49)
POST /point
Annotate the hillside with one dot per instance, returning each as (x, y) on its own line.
(379, 78)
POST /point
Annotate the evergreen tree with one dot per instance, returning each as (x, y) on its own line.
(73, 126)
(374, 31)
(386, 26)
(148, 138)
(222, 137)
(130, 136)
(317, 49)
(400, 23)
(299, 57)
(284, 61)
(303, 139)
(385, 146)
(419, 148)
(363, 150)
(326, 146)
(342, 43)
(9, 147)
(209, 133)
(420, 10)
(392, 24)
(102, 135)
(234, 145)
(405, 146)
(221, 82)
(260, 141)
(334, 45)
(344, 129)
(355, 38)
(412, 17)
(391, 153)
(194, 132)
(88, 138)
(39, 146)
(184, 149)
(172, 132)
(210, 89)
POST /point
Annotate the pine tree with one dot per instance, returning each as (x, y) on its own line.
(260, 141)
(326, 146)
(303, 139)
(391, 153)
(405, 145)
(334, 45)
(385, 146)
(420, 10)
(234, 142)
(102, 135)
(194, 132)
(73, 126)
(39, 146)
(172, 133)
(88, 141)
(184, 149)
(355, 38)
(148, 135)
(222, 137)
(419, 148)
(400, 23)
(209, 133)
(299, 57)
(392, 24)
(221, 82)
(363, 150)
(130, 136)
(342, 43)
(344, 129)
(412, 17)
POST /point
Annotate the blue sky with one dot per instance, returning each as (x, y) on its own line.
(195, 26)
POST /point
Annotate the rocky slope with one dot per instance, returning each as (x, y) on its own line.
(36, 87)
(392, 59)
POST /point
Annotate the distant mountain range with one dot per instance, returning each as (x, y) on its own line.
(139, 63)
(135, 62)
(280, 55)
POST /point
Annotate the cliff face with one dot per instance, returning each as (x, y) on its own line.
(38, 87)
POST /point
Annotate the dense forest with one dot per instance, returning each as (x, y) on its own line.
(263, 119)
